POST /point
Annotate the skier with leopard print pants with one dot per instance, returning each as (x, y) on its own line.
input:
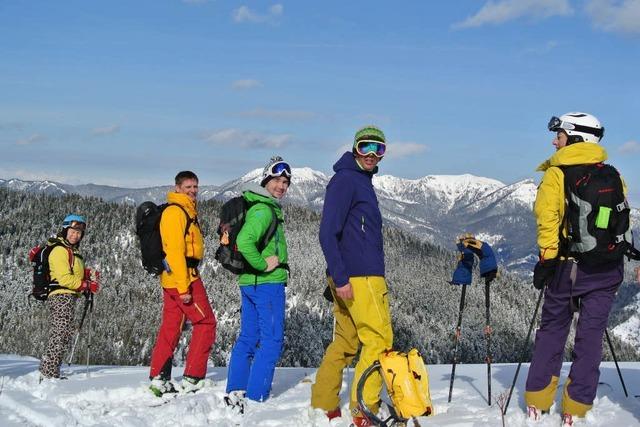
(69, 279)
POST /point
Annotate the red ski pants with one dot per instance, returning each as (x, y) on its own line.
(174, 314)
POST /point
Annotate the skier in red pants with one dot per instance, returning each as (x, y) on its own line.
(184, 296)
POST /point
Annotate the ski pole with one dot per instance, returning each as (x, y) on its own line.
(89, 337)
(87, 302)
(526, 343)
(615, 359)
(456, 340)
(487, 334)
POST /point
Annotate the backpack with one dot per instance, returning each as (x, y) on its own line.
(148, 217)
(39, 256)
(596, 215)
(232, 217)
(407, 382)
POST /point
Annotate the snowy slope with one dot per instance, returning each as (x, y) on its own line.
(117, 396)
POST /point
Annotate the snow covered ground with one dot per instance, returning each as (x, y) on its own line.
(118, 396)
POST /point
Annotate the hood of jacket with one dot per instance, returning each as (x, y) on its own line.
(184, 201)
(253, 192)
(348, 162)
(580, 153)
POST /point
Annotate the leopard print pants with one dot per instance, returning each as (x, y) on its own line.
(61, 329)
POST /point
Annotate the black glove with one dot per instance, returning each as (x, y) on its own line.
(543, 272)
(327, 294)
(490, 276)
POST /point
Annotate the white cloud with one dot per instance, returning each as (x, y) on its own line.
(246, 139)
(498, 12)
(278, 114)
(107, 130)
(622, 16)
(245, 84)
(245, 14)
(36, 137)
(398, 150)
(630, 147)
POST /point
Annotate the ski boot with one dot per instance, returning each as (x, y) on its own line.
(236, 401)
(160, 385)
(191, 384)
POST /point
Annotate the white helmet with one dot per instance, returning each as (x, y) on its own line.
(580, 127)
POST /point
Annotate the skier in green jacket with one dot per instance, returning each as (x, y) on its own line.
(259, 345)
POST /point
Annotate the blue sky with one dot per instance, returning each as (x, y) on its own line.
(128, 92)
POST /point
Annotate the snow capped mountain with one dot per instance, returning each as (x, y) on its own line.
(47, 187)
(437, 208)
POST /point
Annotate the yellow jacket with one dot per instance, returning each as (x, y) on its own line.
(66, 270)
(177, 246)
(549, 205)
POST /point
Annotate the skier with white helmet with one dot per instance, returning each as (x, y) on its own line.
(582, 232)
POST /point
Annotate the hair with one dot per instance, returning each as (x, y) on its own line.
(184, 175)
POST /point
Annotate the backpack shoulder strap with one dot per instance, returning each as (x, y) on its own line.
(273, 226)
(271, 231)
(189, 219)
(55, 245)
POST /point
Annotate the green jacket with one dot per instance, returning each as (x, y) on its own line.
(256, 225)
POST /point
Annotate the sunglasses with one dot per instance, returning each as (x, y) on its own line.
(367, 147)
(280, 169)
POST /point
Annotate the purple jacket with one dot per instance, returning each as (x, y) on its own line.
(351, 226)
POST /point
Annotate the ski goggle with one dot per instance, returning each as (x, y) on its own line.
(555, 125)
(367, 147)
(76, 225)
(280, 169)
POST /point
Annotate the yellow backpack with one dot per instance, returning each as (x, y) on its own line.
(407, 381)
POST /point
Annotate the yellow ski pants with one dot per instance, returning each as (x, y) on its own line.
(365, 322)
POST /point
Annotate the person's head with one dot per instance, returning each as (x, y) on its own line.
(575, 127)
(276, 177)
(73, 228)
(369, 146)
(187, 183)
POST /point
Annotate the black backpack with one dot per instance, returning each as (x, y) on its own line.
(596, 215)
(232, 217)
(148, 217)
(39, 257)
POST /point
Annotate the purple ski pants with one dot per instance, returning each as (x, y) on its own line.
(596, 288)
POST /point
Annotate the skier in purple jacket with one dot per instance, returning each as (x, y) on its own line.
(351, 240)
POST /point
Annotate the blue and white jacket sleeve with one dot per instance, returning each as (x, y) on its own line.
(337, 204)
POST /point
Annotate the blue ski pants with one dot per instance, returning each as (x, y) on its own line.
(259, 345)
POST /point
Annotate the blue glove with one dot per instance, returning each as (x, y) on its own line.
(462, 273)
(488, 264)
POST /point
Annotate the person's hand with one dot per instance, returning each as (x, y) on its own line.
(186, 298)
(543, 272)
(272, 263)
(638, 274)
(89, 286)
(345, 292)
